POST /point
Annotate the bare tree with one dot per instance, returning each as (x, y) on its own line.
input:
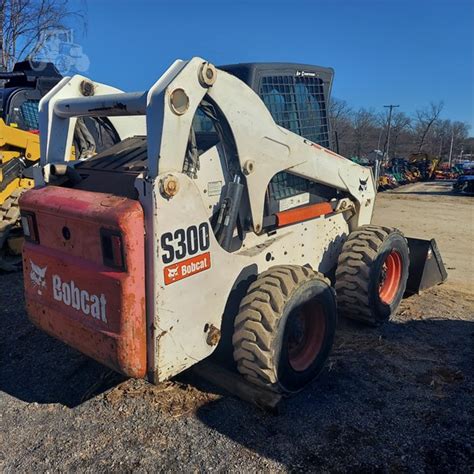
(468, 146)
(365, 132)
(362, 131)
(22, 23)
(438, 143)
(459, 134)
(400, 123)
(340, 119)
(424, 121)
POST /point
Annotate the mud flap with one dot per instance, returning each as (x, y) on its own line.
(426, 266)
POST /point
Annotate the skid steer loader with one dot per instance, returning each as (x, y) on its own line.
(215, 226)
(20, 148)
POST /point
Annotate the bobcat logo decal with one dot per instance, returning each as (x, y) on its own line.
(363, 184)
(173, 272)
(37, 276)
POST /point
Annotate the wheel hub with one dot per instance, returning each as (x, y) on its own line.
(390, 277)
(306, 329)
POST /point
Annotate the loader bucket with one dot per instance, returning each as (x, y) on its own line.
(426, 266)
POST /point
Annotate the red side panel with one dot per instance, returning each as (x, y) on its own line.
(70, 293)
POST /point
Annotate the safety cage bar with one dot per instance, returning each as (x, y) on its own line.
(122, 104)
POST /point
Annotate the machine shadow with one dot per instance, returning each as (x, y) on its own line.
(378, 383)
(34, 367)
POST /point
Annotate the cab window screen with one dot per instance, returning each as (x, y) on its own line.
(297, 104)
(29, 112)
(26, 115)
(284, 185)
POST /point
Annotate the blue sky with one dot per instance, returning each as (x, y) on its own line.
(383, 51)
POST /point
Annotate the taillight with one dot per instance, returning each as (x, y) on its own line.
(30, 228)
(112, 249)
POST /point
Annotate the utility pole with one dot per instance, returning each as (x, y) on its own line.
(451, 148)
(380, 136)
(387, 141)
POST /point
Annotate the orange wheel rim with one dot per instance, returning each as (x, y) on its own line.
(306, 336)
(390, 277)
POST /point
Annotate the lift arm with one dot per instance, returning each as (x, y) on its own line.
(264, 149)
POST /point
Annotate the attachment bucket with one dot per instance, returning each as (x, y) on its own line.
(426, 266)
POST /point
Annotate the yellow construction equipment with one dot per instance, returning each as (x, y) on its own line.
(425, 163)
(19, 148)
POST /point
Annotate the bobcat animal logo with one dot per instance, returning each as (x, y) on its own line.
(37, 276)
(173, 272)
(363, 184)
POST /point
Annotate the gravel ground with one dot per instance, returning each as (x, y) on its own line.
(395, 398)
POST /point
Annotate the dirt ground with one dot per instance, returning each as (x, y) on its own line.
(398, 398)
(427, 210)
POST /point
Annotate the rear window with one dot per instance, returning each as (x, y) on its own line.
(29, 114)
(24, 115)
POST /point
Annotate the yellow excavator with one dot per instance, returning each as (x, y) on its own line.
(20, 94)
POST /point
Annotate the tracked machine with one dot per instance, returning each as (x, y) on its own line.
(227, 227)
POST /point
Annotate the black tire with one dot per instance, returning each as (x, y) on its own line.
(285, 328)
(371, 274)
(10, 227)
(9, 214)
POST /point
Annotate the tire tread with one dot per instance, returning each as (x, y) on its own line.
(353, 271)
(259, 314)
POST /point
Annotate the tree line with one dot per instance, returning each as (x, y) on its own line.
(357, 132)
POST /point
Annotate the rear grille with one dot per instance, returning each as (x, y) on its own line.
(128, 155)
(114, 170)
